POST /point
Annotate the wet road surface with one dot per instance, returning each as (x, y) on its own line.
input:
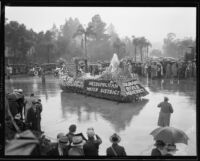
(132, 121)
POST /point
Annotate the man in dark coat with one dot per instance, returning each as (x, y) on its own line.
(71, 133)
(115, 149)
(13, 107)
(39, 110)
(61, 148)
(33, 117)
(91, 147)
(159, 150)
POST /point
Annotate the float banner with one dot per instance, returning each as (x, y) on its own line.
(133, 88)
(102, 86)
(70, 82)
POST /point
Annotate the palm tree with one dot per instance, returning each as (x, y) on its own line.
(85, 32)
(141, 44)
(135, 44)
(147, 44)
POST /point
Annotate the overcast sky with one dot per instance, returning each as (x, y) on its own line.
(152, 22)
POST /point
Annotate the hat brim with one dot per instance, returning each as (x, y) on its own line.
(118, 139)
(80, 144)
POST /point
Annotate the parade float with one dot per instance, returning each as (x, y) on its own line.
(115, 83)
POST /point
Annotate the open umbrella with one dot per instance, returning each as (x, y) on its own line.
(170, 135)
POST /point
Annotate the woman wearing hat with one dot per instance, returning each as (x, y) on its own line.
(76, 146)
(166, 110)
(115, 149)
(160, 149)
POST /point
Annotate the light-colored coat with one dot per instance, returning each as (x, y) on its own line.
(165, 114)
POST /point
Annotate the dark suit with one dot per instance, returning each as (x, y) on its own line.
(91, 147)
(118, 149)
(32, 118)
(54, 151)
(155, 152)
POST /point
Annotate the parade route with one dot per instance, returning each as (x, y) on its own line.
(132, 121)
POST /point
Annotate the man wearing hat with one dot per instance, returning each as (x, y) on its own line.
(171, 149)
(91, 147)
(62, 146)
(33, 116)
(76, 146)
(160, 149)
(115, 149)
(28, 103)
(19, 94)
(165, 113)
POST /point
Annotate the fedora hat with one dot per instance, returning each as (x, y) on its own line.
(63, 140)
(34, 101)
(159, 143)
(115, 138)
(171, 147)
(59, 135)
(77, 141)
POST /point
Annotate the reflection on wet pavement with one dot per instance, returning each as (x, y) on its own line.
(133, 121)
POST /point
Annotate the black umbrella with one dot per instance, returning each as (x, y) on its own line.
(170, 135)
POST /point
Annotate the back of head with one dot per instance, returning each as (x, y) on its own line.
(72, 128)
(59, 135)
(166, 99)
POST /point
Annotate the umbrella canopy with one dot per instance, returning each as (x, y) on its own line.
(14, 96)
(24, 144)
(170, 135)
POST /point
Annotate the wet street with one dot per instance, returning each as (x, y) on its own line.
(132, 121)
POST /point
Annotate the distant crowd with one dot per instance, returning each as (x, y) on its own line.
(164, 69)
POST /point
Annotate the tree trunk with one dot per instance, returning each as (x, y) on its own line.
(85, 46)
(48, 52)
(141, 54)
(135, 53)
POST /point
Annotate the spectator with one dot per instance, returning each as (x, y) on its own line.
(168, 71)
(194, 69)
(160, 149)
(174, 70)
(61, 147)
(77, 146)
(91, 147)
(165, 113)
(115, 149)
(20, 101)
(171, 149)
(39, 110)
(71, 133)
(28, 104)
(32, 116)
(13, 105)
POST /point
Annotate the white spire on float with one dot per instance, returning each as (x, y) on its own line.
(114, 63)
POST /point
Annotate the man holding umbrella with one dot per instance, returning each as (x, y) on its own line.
(170, 136)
